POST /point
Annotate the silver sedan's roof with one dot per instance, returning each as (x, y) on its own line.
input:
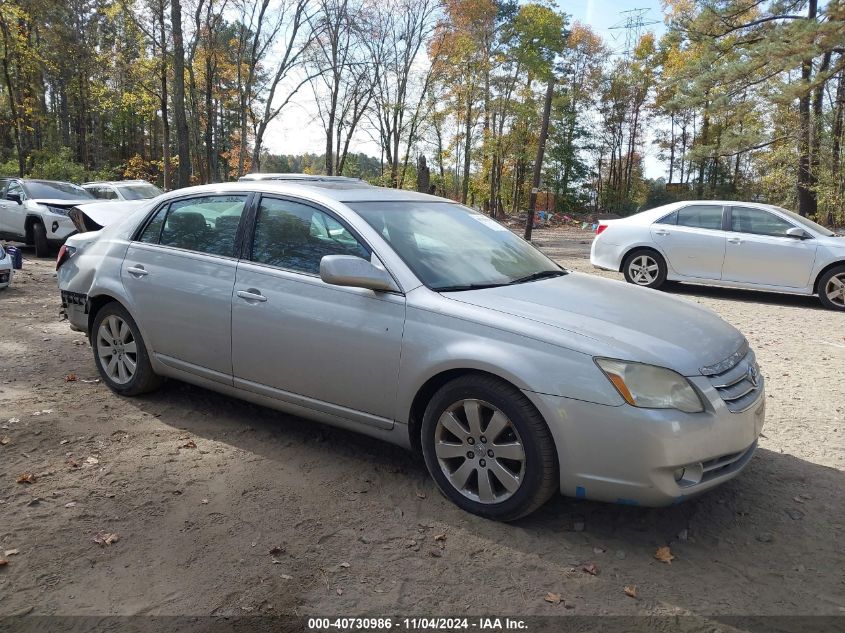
(334, 190)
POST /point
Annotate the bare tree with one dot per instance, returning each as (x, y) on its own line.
(343, 75)
(399, 32)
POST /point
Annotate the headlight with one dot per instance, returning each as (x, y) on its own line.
(651, 387)
(57, 210)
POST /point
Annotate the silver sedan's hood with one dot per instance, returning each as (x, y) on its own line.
(615, 319)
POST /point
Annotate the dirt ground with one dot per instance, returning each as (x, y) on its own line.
(226, 508)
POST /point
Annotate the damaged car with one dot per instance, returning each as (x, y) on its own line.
(418, 321)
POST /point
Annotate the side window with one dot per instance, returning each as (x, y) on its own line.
(3, 185)
(207, 224)
(106, 193)
(672, 218)
(152, 232)
(296, 237)
(701, 216)
(759, 222)
(95, 191)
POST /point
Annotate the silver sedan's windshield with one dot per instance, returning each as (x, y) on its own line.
(450, 247)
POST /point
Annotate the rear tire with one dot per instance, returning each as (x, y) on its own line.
(488, 449)
(645, 267)
(120, 353)
(39, 237)
(832, 289)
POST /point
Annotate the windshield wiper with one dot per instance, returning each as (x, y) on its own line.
(543, 274)
(467, 287)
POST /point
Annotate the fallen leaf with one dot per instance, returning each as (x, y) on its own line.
(285, 577)
(71, 378)
(92, 460)
(631, 591)
(440, 537)
(70, 504)
(554, 598)
(106, 538)
(13, 420)
(5, 439)
(664, 555)
(189, 444)
(3, 562)
(591, 569)
(339, 591)
(204, 501)
(73, 464)
(10, 552)
(64, 441)
(27, 478)
(421, 495)
(344, 565)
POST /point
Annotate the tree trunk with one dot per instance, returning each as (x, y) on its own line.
(807, 204)
(182, 147)
(467, 149)
(538, 162)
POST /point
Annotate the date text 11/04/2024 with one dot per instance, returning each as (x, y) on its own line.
(417, 624)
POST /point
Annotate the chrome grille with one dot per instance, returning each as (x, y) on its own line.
(737, 379)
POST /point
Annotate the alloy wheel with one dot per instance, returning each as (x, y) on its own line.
(644, 270)
(479, 451)
(117, 349)
(835, 289)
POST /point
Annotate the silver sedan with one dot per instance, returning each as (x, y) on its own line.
(417, 321)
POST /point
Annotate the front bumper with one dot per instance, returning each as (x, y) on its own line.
(5, 271)
(628, 455)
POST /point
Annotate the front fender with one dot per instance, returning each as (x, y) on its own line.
(434, 343)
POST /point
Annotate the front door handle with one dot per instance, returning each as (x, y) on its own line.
(661, 232)
(734, 240)
(251, 294)
(137, 271)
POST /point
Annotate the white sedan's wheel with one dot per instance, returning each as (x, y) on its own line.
(645, 267)
(832, 288)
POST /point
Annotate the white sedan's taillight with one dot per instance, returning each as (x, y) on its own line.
(600, 228)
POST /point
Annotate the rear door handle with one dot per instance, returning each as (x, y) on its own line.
(252, 294)
(137, 271)
(662, 233)
(734, 240)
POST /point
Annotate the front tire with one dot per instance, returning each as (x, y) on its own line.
(488, 449)
(39, 237)
(120, 354)
(645, 267)
(832, 288)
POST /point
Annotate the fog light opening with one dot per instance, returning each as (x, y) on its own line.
(688, 475)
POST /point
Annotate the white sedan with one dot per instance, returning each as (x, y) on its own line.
(732, 244)
(6, 268)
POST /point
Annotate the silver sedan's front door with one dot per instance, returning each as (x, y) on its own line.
(331, 348)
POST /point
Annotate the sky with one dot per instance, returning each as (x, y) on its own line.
(297, 130)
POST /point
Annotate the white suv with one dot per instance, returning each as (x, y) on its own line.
(35, 211)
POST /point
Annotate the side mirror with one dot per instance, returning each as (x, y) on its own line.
(347, 270)
(15, 197)
(797, 233)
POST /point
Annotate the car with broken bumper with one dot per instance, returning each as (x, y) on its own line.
(415, 320)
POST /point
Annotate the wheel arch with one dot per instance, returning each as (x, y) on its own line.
(641, 247)
(426, 392)
(96, 303)
(29, 222)
(830, 266)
